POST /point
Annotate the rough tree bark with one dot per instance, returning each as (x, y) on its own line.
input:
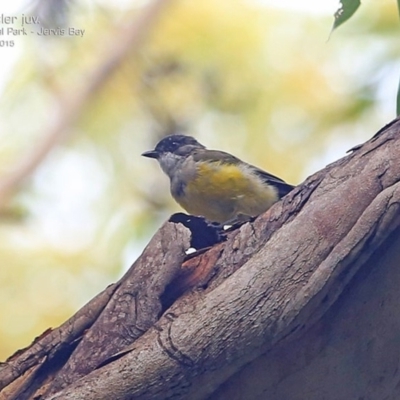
(300, 304)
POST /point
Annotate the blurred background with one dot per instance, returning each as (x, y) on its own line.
(261, 79)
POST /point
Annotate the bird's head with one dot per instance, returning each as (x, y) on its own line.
(172, 150)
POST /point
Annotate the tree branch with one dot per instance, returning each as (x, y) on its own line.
(270, 282)
(128, 41)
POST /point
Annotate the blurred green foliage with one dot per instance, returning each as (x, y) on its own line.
(346, 10)
(262, 83)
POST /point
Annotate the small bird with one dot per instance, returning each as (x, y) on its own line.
(215, 184)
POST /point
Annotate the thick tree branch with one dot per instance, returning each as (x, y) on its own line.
(269, 283)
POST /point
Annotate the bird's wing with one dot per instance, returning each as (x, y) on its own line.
(215, 156)
(222, 157)
(283, 187)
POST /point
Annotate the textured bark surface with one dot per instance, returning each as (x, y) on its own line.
(302, 303)
(353, 352)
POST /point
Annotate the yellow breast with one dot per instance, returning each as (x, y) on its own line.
(221, 192)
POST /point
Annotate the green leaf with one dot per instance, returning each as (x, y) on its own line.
(346, 10)
(398, 6)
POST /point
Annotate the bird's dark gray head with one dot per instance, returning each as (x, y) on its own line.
(177, 144)
(172, 151)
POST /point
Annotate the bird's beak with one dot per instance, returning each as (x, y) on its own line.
(151, 154)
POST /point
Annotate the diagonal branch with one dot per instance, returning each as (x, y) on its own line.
(288, 278)
(270, 282)
(127, 41)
